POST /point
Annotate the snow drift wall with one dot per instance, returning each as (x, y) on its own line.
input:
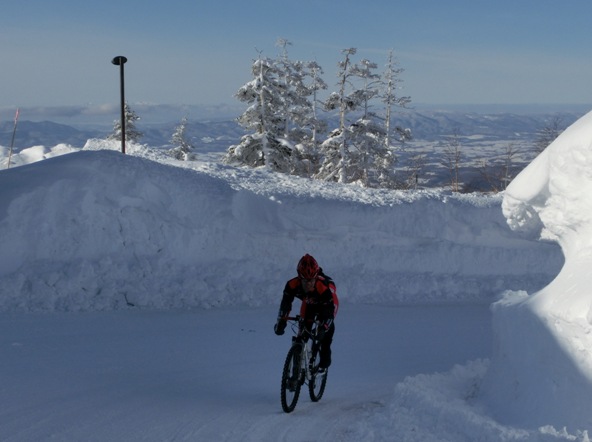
(90, 230)
(551, 199)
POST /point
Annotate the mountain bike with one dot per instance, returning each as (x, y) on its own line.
(302, 365)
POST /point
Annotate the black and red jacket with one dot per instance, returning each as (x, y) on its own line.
(321, 302)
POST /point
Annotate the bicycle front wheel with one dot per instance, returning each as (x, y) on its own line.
(291, 377)
(317, 383)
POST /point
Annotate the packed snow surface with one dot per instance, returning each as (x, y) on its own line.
(138, 296)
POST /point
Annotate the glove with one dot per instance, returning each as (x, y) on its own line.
(279, 327)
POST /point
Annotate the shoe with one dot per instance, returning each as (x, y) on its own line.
(322, 371)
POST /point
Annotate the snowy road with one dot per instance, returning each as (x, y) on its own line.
(213, 374)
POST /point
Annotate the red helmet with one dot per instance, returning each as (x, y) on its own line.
(308, 267)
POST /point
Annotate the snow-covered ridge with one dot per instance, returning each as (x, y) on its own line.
(92, 229)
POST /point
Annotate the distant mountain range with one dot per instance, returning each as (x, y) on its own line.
(428, 125)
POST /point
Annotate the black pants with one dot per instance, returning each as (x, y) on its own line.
(325, 351)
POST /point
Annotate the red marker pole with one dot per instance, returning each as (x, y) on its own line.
(13, 135)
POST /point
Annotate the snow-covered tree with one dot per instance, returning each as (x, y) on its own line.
(341, 100)
(266, 117)
(288, 78)
(365, 70)
(284, 124)
(372, 156)
(281, 115)
(183, 148)
(367, 156)
(374, 159)
(336, 149)
(390, 98)
(306, 82)
(317, 84)
(132, 134)
(302, 81)
(356, 152)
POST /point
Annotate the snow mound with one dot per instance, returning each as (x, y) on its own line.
(95, 229)
(550, 199)
(442, 407)
(35, 153)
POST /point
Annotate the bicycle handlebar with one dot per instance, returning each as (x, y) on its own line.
(297, 321)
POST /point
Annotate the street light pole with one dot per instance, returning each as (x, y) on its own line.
(120, 61)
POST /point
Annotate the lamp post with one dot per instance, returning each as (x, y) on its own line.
(120, 61)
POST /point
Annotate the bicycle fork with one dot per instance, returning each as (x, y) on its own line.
(305, 362)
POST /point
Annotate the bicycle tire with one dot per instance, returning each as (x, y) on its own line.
(316, 387)
(291, 379)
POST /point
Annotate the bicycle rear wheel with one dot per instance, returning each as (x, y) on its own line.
(317, 383)
(291, 377)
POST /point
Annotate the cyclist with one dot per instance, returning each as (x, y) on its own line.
(319, 299)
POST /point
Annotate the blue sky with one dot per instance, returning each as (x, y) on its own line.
(58, 52)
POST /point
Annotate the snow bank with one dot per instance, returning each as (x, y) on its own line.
(541, 371)
(33, 154)
(447, 412)
(444, 407)
(95, 229)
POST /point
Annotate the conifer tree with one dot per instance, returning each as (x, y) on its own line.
(361, 151)
(356, 152)
(388, 159)
(284, 124)
(183, 148)
(391, 79)
(301, 81)
(132, 134)
(309, 124)
(265, 117)
(317, 84)
(370, 154)
(335, 149)
(286, 75)
(281, 115)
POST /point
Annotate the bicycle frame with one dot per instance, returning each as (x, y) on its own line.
(306, 339)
